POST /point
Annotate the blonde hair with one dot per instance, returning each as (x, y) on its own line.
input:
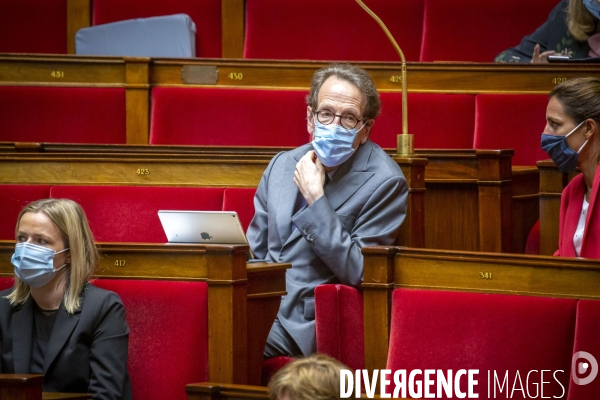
(72, 224)
(580, 21)
(312, 378)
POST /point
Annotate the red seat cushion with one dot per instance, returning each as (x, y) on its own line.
(437, 121)
(331, 30)
(33, 26)
(456, 330)
(533, 240)
(206, 14)
(168, 339)
(12, 200)
(129, 213)
(236, 117)
(339, 324)
(6, 283)
(240, 200)
(61, 114)
(586, 339)
(512, 122)
(475, 30)
(271, 366)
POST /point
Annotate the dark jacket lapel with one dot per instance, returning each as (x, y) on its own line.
(22, 333)
(63, 328)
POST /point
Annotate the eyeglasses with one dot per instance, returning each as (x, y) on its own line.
(348, 121)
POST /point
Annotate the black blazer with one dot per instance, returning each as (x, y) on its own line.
(87, 352)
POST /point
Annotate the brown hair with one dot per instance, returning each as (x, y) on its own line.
(580, 98)
(580, 21)
(312, 378)
(356, 76)
(70, 220)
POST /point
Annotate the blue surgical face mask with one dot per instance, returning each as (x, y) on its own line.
(559, 151)
(34, 264)
(333, 143)
(593, 6)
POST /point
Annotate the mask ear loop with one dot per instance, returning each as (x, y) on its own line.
(574, 129)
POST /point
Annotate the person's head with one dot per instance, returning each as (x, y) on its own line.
(312, 378)
(574, 108)
(581, 22)
(349, 93)
(59, 225)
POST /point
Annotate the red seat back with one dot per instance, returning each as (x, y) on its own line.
(475, 30)
(61, 114)
(437, 121)
(129, 213)
(33, 26)
(12, 200)
(240, 200)
(339, 320)
(586, 339)
(331, 30)
(457, 330)
(511, 122)
(168, 339)
(228, 117)
(6, 283)
(206, 14)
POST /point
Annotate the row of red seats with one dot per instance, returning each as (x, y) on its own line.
(126, 213)
(427, 30)
(258, 117)
(439, 330)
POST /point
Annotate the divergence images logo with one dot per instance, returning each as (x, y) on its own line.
(580, 368)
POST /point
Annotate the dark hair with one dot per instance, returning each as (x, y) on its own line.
(356, 76)
(580, 98)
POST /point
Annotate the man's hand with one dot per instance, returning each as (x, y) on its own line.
(538, 58)
(309, 176)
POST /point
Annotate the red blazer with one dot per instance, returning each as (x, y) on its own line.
(570, 210)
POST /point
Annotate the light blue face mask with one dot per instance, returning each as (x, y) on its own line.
(593, 6)
(34, 264)
(333, 143)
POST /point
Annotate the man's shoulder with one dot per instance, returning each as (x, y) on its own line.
(296, 154)
(380, 161)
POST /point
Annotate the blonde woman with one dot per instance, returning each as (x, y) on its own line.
(572, 29)
(53, 322)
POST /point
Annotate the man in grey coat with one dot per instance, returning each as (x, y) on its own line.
(317, 205)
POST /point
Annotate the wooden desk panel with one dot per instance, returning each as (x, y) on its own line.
(387, 268)
(463, 198)
(243, 298)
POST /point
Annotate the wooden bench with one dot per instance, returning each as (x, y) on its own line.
(242, 299)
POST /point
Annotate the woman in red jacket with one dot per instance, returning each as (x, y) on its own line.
(572, 139)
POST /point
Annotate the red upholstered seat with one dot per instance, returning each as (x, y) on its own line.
(271, 366)
(475, 30)
(168, 340)
(12, 200)
(457, 330)
(61, 114)
(437, 121)
(240, 200)
(206, 14)
(33, 26)
(533, 240)
(129, 213)
(228, 117)
(586, 339)
(340, 324)
(516, 122)
(331, 30)
(6, 283)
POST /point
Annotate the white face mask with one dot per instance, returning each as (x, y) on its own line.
(34, 264)
(333, 143)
